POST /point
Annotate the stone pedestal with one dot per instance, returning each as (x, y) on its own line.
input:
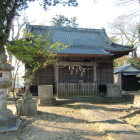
(113, 94)
(29, 107)
(8, 121)
(45, 95)
(7, 118)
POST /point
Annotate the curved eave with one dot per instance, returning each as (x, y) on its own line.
(121, 52)
(83, 55)
(124, 46)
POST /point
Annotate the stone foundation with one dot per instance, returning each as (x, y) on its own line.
(29, 107)
(7, 118)
(115, 99)
(43, 102)
(113, 94)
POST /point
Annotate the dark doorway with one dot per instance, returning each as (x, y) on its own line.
(130, 83)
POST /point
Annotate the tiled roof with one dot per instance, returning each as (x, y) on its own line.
(119, 69)
(82, 50)
(81, 40)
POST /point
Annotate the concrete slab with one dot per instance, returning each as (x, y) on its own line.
(13, 127)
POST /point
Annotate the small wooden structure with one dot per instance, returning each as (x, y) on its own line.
(125, 76)
(83, 66)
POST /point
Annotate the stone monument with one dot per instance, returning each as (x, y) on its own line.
(113, 94)
(8, 121)
(137, 97)
(45, 95)
(27, 105)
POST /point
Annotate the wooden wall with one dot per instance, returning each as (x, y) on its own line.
(105, 73)
(45, 76)
(65, 76)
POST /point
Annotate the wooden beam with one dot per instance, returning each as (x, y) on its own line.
(76, 64)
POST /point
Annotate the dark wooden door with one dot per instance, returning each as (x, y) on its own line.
(130, 83)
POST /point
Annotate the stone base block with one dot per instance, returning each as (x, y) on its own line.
(3, 104)
(6, 113)
(114, 99)
(7, 118)
(47, 102)
(29, 107)
(8, 121)
(11, 128)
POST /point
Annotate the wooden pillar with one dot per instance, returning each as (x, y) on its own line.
(56, 79)
(95, 72)
(120, 80)
(88, 80)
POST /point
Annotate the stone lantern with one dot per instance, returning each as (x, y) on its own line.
(27, 104)
(7, 119)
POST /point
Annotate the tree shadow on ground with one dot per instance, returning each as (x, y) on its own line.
(89, 106)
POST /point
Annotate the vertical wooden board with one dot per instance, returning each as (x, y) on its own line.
(104, 76)
(82, 89)
(90, 88)
(78, 89)
(85, 93)
(65, 84)
(98, 75)
(91, 76)
(59, 89)
(110, 76)
(73, 89)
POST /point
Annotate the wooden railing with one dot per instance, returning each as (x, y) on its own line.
(77, 89)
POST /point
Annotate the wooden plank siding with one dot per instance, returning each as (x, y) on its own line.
(105, 73)
(77, 85)
(66, 76)
(77, 89)
(44, 76)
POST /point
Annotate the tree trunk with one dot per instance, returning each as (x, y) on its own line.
(134, 54)
(2, 43)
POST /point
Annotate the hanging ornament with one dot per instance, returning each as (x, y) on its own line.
(84, 70)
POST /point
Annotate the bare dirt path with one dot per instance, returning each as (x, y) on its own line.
(68, 122)
(62, 122)
(111, 118)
